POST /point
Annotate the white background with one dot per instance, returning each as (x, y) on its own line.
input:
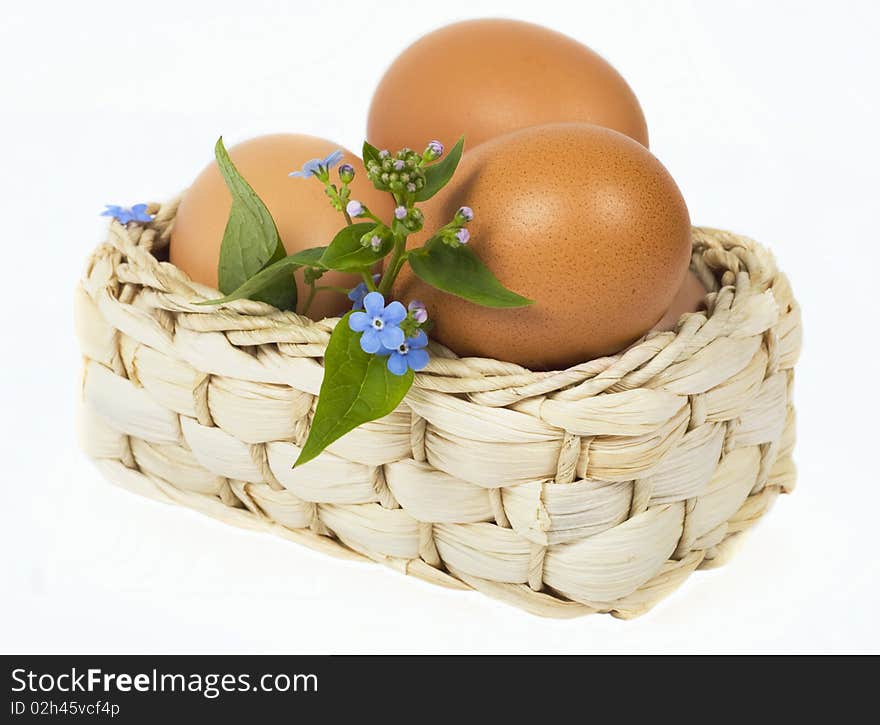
(765, 113)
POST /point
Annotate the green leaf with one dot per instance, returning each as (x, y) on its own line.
(370, 153)
(438, 175)
(250, 241)
(458, 271)
(280, 272)
(357, 388)
(346, 253)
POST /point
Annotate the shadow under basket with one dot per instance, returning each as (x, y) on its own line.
(595, 489)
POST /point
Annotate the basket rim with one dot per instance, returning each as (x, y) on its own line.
(739, 275)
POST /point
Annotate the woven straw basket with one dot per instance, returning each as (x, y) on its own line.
(595, 489)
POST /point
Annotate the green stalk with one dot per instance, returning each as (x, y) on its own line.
(312, 292)
(394, 265)
(368, 280)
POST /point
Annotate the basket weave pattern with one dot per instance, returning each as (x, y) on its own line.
(595, 489)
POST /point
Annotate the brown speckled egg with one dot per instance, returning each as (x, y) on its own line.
(300, 208)
(579, 218)
(486, 78)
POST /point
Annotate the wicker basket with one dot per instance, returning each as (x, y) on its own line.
(595, 489)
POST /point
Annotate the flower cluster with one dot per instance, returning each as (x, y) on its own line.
(124, 214)
(402, 173)
(410, 218)
(399, 173)
(392, 331)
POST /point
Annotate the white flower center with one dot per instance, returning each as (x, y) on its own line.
(378, 323)
(403, 348)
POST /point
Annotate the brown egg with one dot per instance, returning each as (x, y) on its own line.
(300, 208)
(579, 218)
(689, 298)
(485, 78)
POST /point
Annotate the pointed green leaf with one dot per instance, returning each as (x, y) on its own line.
(346, 253)
(357, 388)
(250, 241)
(438, 175)
(277, 273)
(369, 153)
(458, 271)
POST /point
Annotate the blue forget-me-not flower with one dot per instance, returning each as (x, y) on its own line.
(379, 325)
(410, 354)
(318, 167)
(124, 215)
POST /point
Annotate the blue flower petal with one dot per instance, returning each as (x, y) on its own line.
(394, 313)
(391, 337)
(309, 168)
(417, 341)
(359, 321)
(370, 341)
(332, 159)
(417, 358)
(374, 304)
(397, 363)
(357, 294)
(139, 213)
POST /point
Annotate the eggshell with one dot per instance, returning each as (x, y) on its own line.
(579, 218)
(689, 298)
(301, 210)
(485, 78)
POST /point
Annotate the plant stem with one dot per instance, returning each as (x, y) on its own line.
(312, 292)
(368, 280)
(394, 265)
(347, 217)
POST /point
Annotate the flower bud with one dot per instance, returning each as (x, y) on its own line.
(415, 220)
(463, 236)
(418, 311)
(434, 150)
(354, 208)
(375, 237)
(346, 173)
(411, 187)
(400, 212)
(464, 215)
(384, 154)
